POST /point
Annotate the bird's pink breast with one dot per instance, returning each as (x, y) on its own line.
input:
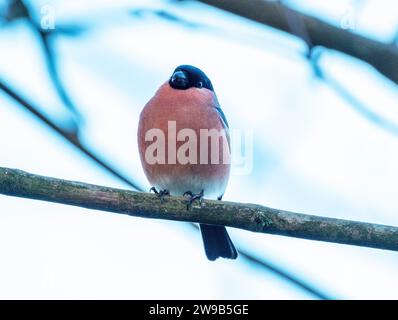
(193, 109)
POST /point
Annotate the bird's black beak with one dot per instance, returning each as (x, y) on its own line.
(179, 80)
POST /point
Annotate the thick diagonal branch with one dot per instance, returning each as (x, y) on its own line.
(249, 217)
(382, 56)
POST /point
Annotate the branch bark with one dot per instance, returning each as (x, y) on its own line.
(249, 217)
(383, 57)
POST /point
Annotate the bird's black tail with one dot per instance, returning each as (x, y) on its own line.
(217, 242)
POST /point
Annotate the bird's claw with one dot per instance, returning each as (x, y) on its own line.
(161, 193)
(193, 197)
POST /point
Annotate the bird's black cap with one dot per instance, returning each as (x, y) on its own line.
(186, 76)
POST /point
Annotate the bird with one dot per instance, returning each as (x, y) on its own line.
(187, 101)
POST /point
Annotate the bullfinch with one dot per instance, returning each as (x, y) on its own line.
(186, 108)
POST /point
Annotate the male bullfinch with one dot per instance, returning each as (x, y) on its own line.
(187, 101)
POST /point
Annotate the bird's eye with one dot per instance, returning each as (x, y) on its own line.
(200, 84)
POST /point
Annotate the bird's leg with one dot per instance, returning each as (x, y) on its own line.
(193, 197)
(161, 193)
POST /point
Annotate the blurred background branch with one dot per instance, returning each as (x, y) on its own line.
(68, 136)
(382, 56)
(18, 10)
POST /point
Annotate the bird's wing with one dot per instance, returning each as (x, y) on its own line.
(224, 122)
(223, 117)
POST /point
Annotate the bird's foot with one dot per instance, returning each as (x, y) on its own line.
(193, 197)
(161, 193)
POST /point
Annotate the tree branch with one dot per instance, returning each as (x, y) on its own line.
(382, 56)
(249, 217)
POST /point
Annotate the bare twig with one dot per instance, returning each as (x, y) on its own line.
(249, 217)
(68, 136)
